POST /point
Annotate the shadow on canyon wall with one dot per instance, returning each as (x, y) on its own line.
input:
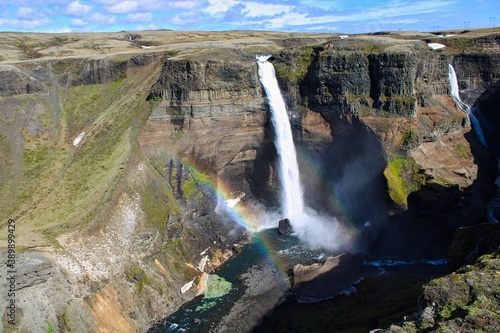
(427, 228)
(350, 185)
(486, 109)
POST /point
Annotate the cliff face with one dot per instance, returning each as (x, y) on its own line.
(212, 116)
(118, 220)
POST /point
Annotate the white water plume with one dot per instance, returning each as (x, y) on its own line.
(316, 230)
(455, 93)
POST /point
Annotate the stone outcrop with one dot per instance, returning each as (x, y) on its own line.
(463, 301)
(265, 289)
(16, 82)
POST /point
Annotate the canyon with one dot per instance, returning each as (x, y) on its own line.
(111, 226)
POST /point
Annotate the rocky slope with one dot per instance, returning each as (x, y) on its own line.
(112, 225)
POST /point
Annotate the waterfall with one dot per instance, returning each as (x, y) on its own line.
(318, 231)
(292, 202)
(455, 93)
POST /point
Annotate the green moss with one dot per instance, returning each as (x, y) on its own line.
(83, 104)
(410, 139)
(462, 149)
(295, 71)
(192, 186)
(459, 44)
(402, 178)
(175, 248)
(370, 47)
(157, 203)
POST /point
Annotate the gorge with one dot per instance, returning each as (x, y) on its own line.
(175, 168)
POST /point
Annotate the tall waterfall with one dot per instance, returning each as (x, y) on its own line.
(455, 93)
(292, 202)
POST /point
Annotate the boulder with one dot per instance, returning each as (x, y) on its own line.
(284, 227)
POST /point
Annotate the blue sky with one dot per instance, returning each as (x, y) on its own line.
(214, 15)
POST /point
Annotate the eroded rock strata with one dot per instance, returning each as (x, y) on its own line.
(112, 227)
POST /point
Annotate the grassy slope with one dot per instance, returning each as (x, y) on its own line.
(59, 186)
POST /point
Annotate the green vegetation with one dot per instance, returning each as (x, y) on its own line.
(57, 186)
(157, 203)
(137, 276)
(467, 299)
(402, 178)
(462, 149)
(374, 47)
(410, 139)
(295, 71)
(50, 329)
(192, 187)
(83, 104)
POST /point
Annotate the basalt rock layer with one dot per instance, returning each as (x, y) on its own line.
(115, 224)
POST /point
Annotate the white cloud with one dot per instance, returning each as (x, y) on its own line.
(109, 2)
(375, 14)
(60, 31)
(102, 18)
(298, 19)
(140, 17)
(323, 4)
(220, 6)
(123, 7)
(184, 4)
(151, 26)
(323, 28)
(78, 22)
(24, 24)
(34, 3)
(184, 19)
(256, 9)
(25, 13)
(77, 8)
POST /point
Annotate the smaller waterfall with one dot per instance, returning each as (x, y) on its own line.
(455, 93)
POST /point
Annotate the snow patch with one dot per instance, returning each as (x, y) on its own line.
(436, 46)
(202, 263)
(78, 139)
(187, 286)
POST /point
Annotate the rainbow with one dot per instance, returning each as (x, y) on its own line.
(254, 218)
(245, 215)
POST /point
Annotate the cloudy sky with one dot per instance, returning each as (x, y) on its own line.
(346, 16)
